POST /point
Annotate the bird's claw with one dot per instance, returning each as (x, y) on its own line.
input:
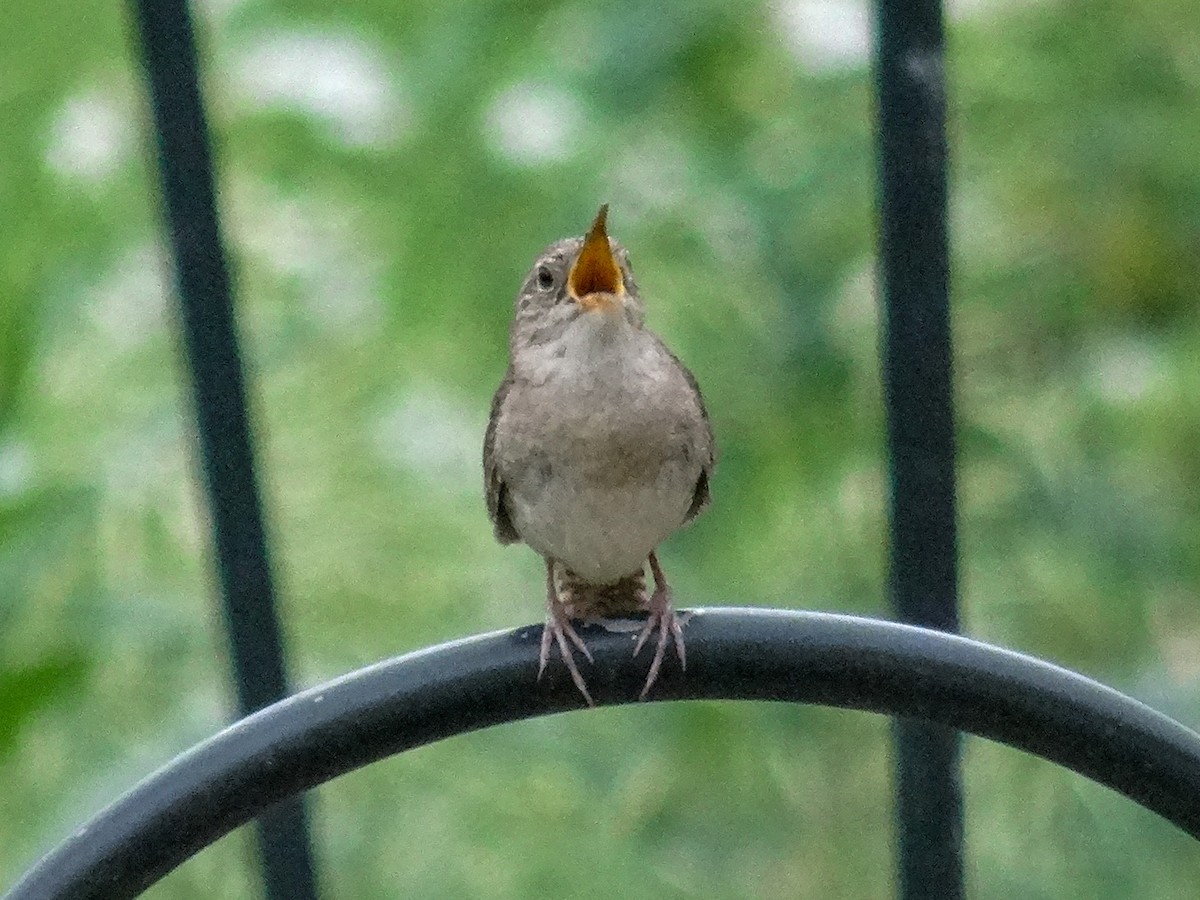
(663, 618)
(559, 629)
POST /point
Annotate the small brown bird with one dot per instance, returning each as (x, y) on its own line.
(598, 446)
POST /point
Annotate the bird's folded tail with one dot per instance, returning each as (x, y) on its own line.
(585, 600)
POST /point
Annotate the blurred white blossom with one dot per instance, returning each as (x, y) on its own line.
(342, 81)
(530, 124)
(91, 137)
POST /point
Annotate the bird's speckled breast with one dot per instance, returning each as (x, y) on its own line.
(596, 446)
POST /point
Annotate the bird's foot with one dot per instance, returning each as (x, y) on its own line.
(663, 618)
(558, 629)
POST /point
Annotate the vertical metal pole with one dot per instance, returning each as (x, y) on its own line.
(185, 160)
(920, 417)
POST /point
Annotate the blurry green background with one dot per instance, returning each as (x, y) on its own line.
(388, 171)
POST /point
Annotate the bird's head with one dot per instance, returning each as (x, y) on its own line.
(586, 280)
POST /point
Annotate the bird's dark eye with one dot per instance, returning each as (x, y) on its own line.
(545, 278)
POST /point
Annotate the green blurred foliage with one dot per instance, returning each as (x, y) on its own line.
(387, 172)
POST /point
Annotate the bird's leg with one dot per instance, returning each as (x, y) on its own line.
(558, 626)
(662, 616)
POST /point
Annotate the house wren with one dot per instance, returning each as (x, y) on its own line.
(598, 446)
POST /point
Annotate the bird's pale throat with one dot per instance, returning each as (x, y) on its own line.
(596, 273)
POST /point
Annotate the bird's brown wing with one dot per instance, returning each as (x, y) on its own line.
(494, 490)
(702, 495)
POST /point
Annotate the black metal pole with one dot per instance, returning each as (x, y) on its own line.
(918, 393)
(185, 160)
(743, 654)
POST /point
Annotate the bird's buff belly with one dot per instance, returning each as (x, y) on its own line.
(602, 533)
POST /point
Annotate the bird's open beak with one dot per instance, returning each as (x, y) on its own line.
(596, 282)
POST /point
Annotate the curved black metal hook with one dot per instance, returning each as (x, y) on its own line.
(733, 654)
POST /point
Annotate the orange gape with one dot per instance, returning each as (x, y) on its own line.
(596, 272)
